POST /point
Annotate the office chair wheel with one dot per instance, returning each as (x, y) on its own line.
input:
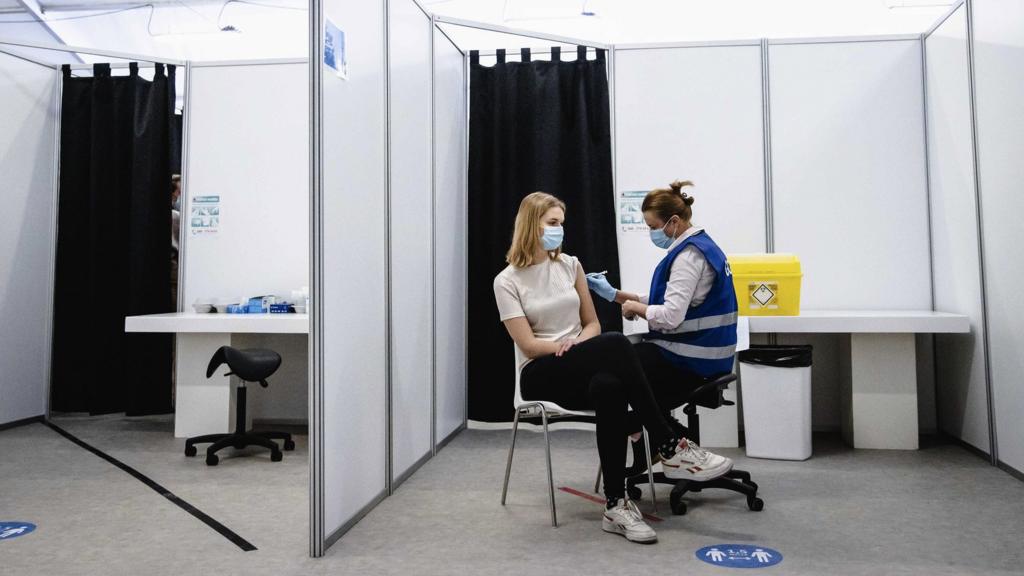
(634, 493)
(678, 507)
(289, 445)
(212, 459)
(755, 504)
(190, 451)
(276, 456)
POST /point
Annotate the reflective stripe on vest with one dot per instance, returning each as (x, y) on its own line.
(705, 323)
(700, 352)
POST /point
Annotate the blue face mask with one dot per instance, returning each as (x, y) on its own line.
(552, 237)
(660, 239)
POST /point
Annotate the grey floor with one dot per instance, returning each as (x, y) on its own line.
(940, 510)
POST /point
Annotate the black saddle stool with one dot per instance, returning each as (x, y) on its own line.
(253, 365)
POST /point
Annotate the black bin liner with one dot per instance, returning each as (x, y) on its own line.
(777, 356)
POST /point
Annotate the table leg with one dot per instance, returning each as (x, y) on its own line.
(202, 405)
(879, 395)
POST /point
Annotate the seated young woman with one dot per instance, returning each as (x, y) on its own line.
(544, 302)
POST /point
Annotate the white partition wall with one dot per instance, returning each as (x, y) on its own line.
(450, 236)
(960, 359)
(28, 96)
(848, 172)
(248, 143)
(409, 37)
(998, 41)
(349, 424)
(691, 113)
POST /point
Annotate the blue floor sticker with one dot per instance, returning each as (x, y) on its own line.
(10, 530)
(739, 556)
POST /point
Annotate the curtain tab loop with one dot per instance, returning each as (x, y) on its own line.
(159, 70)
(474, 57)
(133, 69)
(101, 70)
(524, 54)
(556, 54)
(600, 54)
(66, 70)
(501, 55)
(581, 53)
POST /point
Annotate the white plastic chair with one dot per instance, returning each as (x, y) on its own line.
(550, 412)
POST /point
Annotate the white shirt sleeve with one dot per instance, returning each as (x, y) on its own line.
(689, 282)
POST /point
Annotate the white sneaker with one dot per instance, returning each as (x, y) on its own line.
(625, 518)
(691, 462)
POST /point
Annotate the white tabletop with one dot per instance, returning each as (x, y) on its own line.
(190, 322)
(863, 321)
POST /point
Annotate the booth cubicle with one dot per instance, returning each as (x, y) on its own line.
(865, 156)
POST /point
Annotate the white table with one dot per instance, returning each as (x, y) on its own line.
(206, 406)
(878, 367)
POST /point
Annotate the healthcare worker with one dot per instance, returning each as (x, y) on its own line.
(543, 301)
(691, 312)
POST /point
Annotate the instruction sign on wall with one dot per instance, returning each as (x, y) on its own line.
(335, 56)
(204, 215)
(631, 217)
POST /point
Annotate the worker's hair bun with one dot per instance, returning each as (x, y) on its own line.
(677, 187)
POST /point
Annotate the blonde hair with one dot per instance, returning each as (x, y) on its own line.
(669, 202)
(527, 232)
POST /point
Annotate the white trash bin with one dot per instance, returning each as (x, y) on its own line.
(775, 387)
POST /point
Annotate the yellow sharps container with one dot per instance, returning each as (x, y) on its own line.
(766, 284)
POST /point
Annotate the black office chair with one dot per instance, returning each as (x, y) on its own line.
(709, 395)
(253, 365)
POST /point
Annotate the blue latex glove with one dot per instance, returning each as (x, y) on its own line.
(600, 286)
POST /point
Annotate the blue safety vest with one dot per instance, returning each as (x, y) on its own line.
(705, 343)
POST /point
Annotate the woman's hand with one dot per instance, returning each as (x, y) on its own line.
(564, 346)
(600, 286)
(631, 309)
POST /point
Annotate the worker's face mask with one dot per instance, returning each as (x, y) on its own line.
(660, 239)
(552, 237)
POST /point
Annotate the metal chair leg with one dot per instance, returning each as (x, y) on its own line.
(597, 483)
(551, 481)
(650, 471)
(511, 449)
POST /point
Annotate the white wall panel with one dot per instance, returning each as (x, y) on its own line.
(411, 329)
(999, 91)
(960, 358)
(249, 144)
(692, 114)
(27, 151)
(450, 235)
(353, 248)
(848, 168)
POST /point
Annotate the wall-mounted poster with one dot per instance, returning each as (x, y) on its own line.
(204, 215)
(335, 57)
(631, 218)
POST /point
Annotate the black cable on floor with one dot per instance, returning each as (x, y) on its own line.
(202, 516)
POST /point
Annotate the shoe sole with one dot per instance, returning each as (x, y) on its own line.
(680, 473)
(616, 529)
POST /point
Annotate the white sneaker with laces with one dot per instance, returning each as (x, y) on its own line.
(691, 462)
(625, 518)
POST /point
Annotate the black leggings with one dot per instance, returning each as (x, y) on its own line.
(601, 374)
(670, 384)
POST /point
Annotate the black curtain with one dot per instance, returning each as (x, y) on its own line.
(534, 125)
(113, 242)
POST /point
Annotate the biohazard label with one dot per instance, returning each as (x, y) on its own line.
(763, 294)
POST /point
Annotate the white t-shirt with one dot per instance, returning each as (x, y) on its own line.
(545, 294)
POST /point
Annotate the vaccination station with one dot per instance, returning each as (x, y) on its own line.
(495, 287)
